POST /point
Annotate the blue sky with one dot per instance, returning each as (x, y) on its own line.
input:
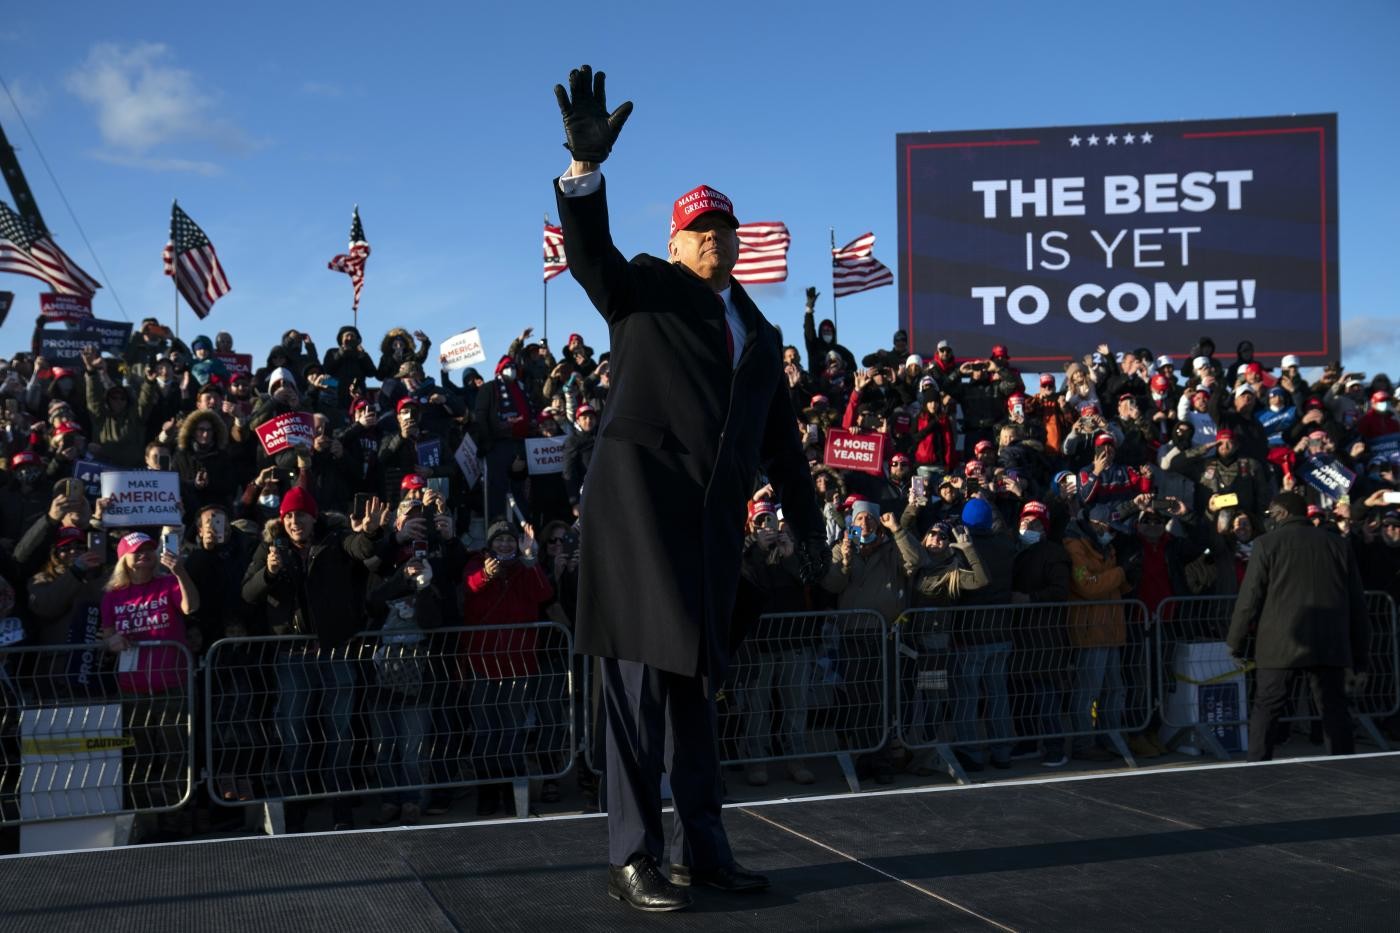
(269, 121)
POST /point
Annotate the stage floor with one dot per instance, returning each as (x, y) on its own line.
(1295, 845)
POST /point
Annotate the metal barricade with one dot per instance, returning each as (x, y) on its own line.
(85, 732)
(977, 679)
(397, 713)
(806, 685)
(802, 685)
(1205, 694)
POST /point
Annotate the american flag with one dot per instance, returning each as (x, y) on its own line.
(191, 260)
(763, 250)
(352, 262)
(555, 261)
(25, 251)
(854, 269)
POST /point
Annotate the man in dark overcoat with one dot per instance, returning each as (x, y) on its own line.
(1302, 599)
(697, 411)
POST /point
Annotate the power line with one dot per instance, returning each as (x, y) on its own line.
(106, 279)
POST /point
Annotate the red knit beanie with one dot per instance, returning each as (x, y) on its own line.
(297, 499)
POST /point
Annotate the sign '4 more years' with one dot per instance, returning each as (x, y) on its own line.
(864, 453)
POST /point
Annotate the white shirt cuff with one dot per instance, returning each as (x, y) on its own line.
(576, 186)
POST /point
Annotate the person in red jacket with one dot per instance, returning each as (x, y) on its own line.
(1379, 421)
(933, 433)
(504, 587)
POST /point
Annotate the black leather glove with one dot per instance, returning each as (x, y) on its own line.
(589, 130)
(812, 557)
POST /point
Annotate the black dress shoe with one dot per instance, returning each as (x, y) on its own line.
(726, 878)
(640, 884)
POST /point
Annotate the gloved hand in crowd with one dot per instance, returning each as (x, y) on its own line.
(589, 130)
(812, 556)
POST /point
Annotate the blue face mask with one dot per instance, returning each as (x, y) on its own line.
(868, 538)
(1030, 537)
(1106, 538)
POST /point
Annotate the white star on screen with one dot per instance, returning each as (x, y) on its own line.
(1093, 140)
(1111, 139)
(1128, 139)
(1145, 136)
(1074, 140)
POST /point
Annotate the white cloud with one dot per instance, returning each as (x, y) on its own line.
(30, 100)
(144, 102)
(159, 164)
(321, 89)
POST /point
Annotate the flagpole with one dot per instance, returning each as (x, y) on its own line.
(545, 335)
(176, 286)
(355, 306)
(834, 321)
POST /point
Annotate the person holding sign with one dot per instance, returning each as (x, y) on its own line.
(143, 605)
(697, 405)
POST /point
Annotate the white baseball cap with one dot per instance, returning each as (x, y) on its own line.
(1200, 363)
(1290, 360)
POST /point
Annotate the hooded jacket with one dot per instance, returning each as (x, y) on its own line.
(389, 361)
(320, 595)
(346, 366)
(220, 483)
(817, 349)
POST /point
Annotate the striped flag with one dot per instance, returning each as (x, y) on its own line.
(190, 259)
(26, 251)
(352, 262)
(555, 261)
(763, 250)
(854, 269)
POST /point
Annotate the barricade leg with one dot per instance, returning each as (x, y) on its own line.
(1373, 732)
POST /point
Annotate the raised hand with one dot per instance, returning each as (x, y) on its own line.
(589, 130)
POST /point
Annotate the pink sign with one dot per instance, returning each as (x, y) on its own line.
(237, 364)
(864, 453)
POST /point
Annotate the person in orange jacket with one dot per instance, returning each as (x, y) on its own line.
(1097, 632)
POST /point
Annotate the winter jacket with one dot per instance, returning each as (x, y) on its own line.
(1095, 576)
(321, 594)
(1302, 598)
(512, 598)
(878, 577)
(221, 484)
(121, 436)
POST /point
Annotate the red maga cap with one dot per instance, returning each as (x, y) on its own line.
(697, 202)
(1035, 510)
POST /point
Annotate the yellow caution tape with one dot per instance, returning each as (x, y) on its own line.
(1244, 668)
(70, 746)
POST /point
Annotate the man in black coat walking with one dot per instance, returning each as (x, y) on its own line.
(698, 407)
(1303, 600)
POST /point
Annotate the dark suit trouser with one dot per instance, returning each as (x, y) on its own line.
(1272, 688)
(656, 721)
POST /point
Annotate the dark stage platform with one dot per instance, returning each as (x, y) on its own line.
(1297, 845)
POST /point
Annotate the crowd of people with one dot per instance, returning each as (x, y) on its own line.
(1130, 475)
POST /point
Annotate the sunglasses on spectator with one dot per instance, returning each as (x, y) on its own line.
(556, 539)
(1151, 518)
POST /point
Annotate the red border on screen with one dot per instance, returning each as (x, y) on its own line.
(1321, 132)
